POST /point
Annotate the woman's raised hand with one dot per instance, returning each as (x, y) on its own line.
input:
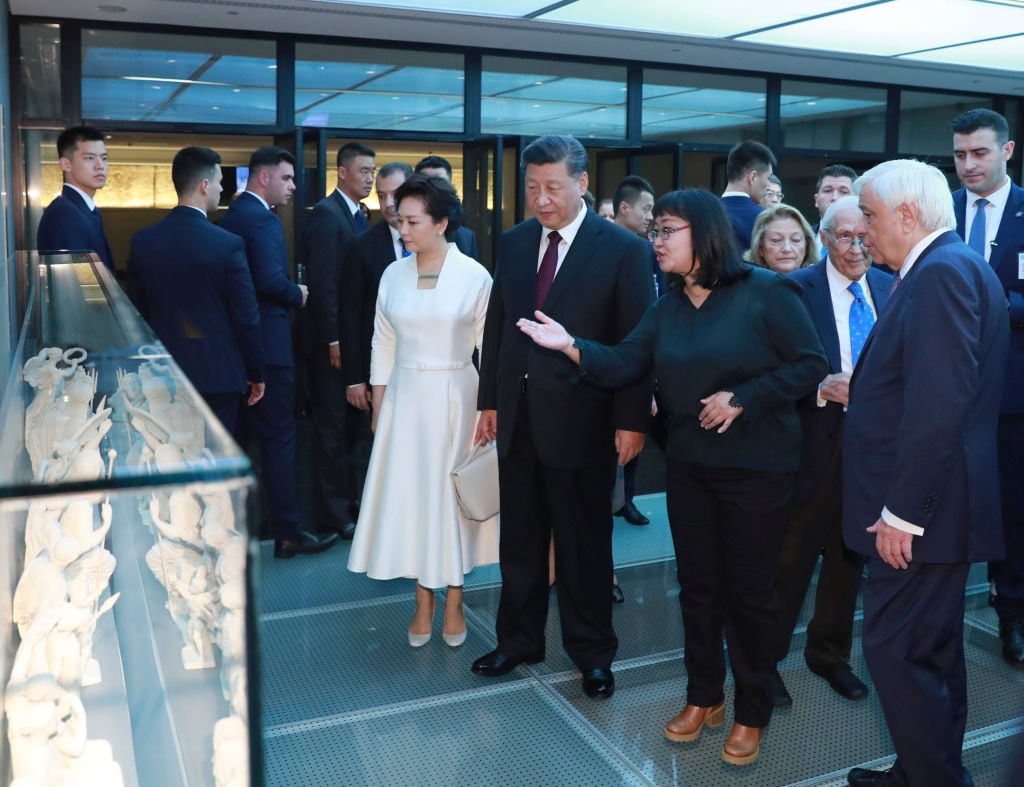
(546, 332)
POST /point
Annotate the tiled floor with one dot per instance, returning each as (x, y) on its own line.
(346, 701)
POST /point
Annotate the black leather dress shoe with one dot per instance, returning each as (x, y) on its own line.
(780, 696)
(617, 596)
(842, 680)
(495, 664)
(598, 684)
(1012, 634)
(305, 543)
(347, 531)
(632, 514)
(862, 777)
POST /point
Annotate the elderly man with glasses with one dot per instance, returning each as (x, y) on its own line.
(843, 295)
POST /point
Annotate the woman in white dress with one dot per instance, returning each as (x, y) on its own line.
(430, 316)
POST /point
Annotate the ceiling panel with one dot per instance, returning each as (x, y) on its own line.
(1003, 53)
(479, 7)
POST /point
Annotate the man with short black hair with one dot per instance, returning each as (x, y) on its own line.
(72, 221)
(328, 231)
(834, 182)
(990, 217)
(747, 169)
(464, 237)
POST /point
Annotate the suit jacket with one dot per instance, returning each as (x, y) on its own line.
(465, 241)
(67, 224)
(822, 426)
(267, 253)
(742, 213)
(1005, 261)
(327, 233)
(369, 254)
(600, 292)
(920, 435)
(190, 281)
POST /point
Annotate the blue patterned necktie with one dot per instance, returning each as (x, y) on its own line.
(977, 239)
(359, 219)
(861, 321)
(405, 251)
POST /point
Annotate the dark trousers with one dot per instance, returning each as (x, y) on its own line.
(816, 527)
(338, 481)
(272, 421)
(629, 478)
(914, 644)
(225, 406)
(727, 525)
(1008, 573)
(539, 503)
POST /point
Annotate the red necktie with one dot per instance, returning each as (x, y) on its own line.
(546, 274)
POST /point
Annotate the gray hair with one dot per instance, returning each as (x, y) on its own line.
(841, 205)
(911, 182)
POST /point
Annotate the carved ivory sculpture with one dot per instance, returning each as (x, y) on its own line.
(46, 373)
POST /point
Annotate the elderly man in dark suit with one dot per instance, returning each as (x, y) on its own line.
(340, 431)
(990, 217)
(844, 296)
(558, 439)
(72, 220)
(369, 254)
(190, 281)
(920, 481)
(272, 182)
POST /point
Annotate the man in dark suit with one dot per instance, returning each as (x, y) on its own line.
(190, 281)
(272, 182)
(340, 431)
(843, 295)
(920, 482)
(990, 217)
(72, 221)
(834, 182)
(557, 437)
(465, 238)
(369, 254)
(748, 168)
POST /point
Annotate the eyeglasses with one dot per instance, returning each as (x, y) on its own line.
(664, 233)
(775, 195)
(846, 240)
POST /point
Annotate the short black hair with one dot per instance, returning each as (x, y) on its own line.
(554, 149)
(190, 166)
(351, 150)
(975, 119)
(711, 235)
(267, 157)
(746, 156)
(392, 167)
(70, 137)
(835, 171)
(435, 162)
(629, 191)
(438, 197)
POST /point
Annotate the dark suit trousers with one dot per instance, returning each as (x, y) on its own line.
(1008, 573)
(817, 527)
(629, 478)
(272, 421)
(539, 503)
(226, 407)
(337, 482)
(727, 525)
(914, 644)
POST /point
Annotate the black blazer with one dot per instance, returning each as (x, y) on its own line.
(67, 224)
(465, 241)
(369, 254)
(600, 292)
(327, 233)
(190, 281)
(822, 426)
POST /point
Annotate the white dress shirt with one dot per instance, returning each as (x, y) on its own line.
(568, 235)
(993, 214)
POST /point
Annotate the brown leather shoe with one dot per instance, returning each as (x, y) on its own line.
(687, 725)
(742, 745)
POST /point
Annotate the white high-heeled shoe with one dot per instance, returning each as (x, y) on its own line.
(454, 640)
(419, 640)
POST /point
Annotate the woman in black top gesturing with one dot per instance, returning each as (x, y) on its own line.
(733, 349)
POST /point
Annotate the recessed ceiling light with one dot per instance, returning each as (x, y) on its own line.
(112, 9)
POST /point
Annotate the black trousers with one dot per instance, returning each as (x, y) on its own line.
(226, 407)
(1008, 574)
(539, 503)
(727, 526)
(816, 527)
(914, 645)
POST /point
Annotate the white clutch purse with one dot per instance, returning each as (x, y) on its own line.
(476, 483)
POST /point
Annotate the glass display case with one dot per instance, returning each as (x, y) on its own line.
(125, 564)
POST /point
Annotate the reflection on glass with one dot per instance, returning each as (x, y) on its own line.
(40, 71)
(357, 87)
(708, 108)
(925, 120)
(833, 117)
(177, 79)
(541, 97)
